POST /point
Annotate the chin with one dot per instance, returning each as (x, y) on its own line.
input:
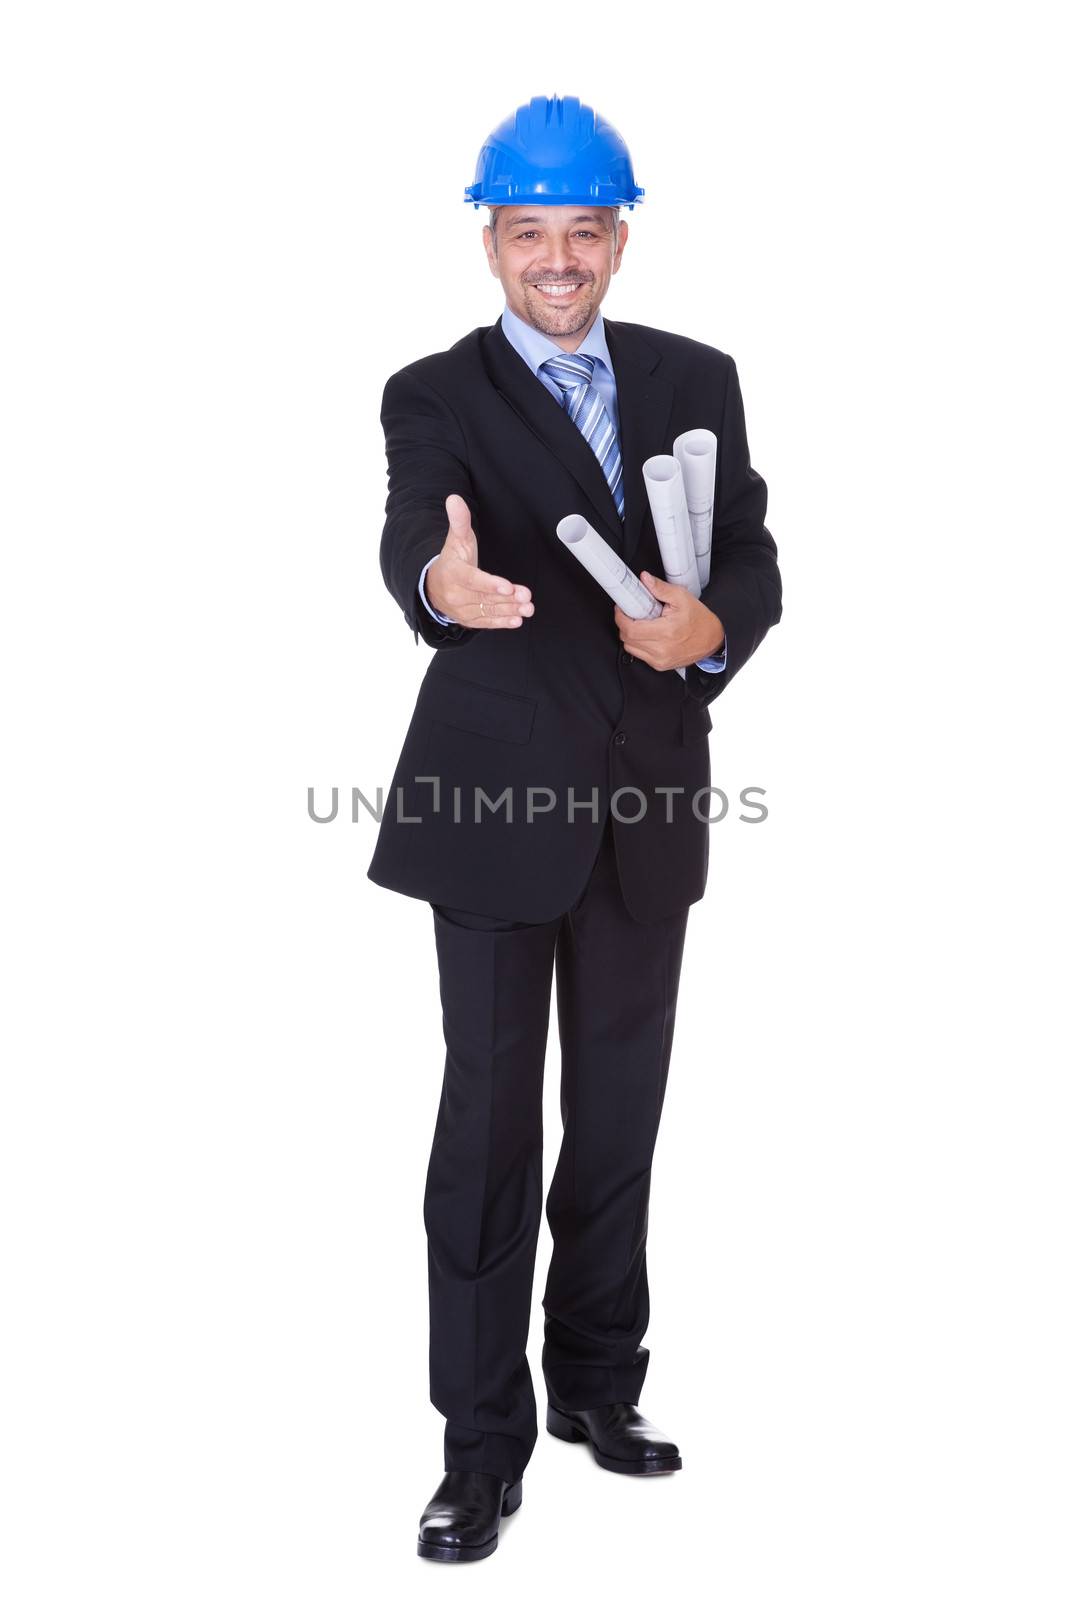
(567, 320)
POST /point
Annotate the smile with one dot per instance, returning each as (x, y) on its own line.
(558, 291)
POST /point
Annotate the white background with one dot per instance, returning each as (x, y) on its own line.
(226, 226)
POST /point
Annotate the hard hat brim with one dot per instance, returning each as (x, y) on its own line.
(532, 198)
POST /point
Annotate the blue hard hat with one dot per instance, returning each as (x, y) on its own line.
(554, 152)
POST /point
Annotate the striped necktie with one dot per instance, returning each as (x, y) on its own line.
(573, 374)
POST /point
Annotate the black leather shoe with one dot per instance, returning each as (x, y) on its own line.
(462, 1520)
(622, 1439)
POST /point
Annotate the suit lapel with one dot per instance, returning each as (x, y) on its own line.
(644, 415)
(546, 418)
(644, 403)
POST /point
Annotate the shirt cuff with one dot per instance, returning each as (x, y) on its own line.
(443, 620)
(715, 663)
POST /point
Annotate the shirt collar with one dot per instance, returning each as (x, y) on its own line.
(535, 347)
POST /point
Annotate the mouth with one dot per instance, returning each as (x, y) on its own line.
(559, 293)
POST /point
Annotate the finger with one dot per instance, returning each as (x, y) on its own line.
(626, 624)
(459, 516)
(478, 621)
(667, 592)
(642, 627)
(642, 630)
(668, 626)
(469, 604)
(492, 583)
(477, 608)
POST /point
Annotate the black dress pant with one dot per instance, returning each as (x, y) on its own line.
(616, 989)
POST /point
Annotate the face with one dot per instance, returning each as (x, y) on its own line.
(555, 263)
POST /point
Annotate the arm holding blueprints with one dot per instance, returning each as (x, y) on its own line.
(681, 492)
(610, 571)
(695, 453)
(608, 568)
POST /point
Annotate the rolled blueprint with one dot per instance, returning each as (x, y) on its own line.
(610, 571)
(666, 497)
(608, 568)
(695, 452)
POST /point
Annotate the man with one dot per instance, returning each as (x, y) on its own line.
(550, 799)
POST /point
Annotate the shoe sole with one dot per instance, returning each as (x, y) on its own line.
(570, 1431)
(473, 1552)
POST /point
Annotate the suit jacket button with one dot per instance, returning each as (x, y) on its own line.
(620, 738)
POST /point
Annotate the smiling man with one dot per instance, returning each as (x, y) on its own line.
(550, 799)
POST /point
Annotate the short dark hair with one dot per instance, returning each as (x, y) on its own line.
(494, 210)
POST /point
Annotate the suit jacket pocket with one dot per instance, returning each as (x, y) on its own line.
(474, 707)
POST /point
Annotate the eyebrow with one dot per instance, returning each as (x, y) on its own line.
(520, 222)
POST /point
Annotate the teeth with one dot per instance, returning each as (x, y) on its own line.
(558, 288)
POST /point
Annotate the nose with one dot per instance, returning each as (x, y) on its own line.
(560, 257)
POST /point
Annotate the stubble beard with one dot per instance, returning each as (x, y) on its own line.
(563, 323)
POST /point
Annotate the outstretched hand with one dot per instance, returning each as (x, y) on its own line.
(457, 587)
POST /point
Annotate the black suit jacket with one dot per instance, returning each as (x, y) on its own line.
(556, 712)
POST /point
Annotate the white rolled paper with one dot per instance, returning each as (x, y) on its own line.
(608, 568)
(695, 453)
(610, 571)
(666, 497)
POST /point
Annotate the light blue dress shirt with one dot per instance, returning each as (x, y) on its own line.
(536, 348)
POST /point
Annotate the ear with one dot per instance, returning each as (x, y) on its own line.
(487, 240)
(624, 234)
